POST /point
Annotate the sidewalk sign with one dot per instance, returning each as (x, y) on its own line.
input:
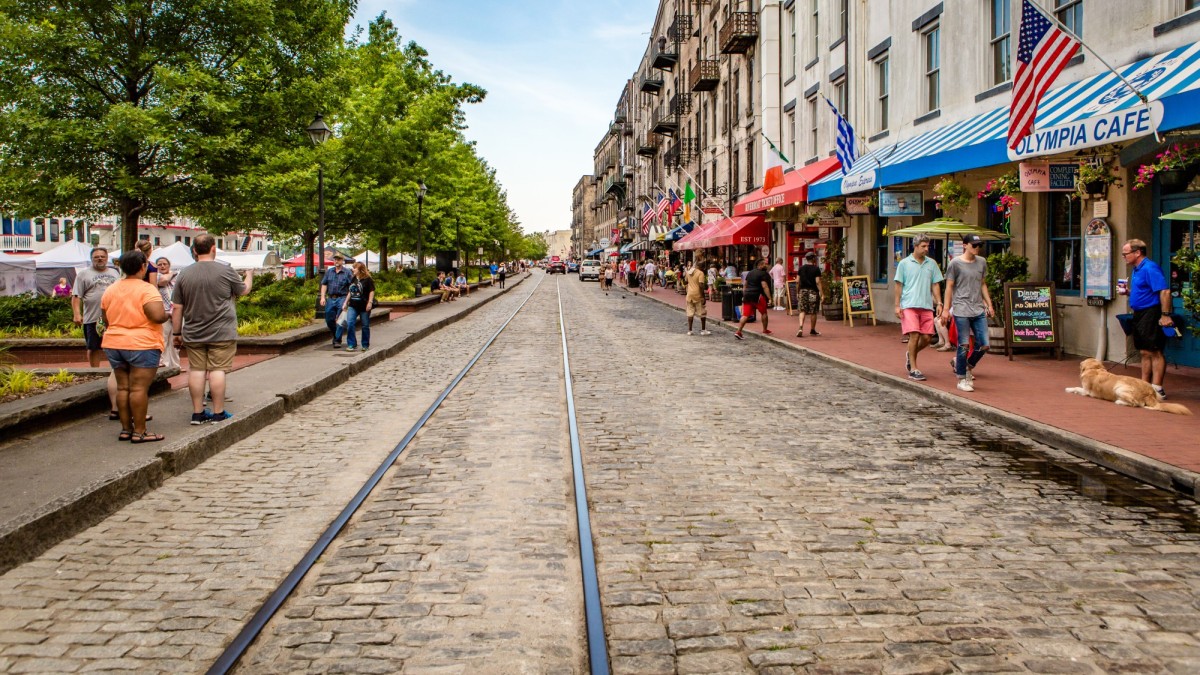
(793, 296)
(856, 297)
(1097, 258)
(1030, 313)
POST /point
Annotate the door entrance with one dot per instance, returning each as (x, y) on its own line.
(1171, 236)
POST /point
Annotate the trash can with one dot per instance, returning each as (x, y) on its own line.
(727, 303)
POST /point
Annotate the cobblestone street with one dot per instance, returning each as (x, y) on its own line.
(754, 510)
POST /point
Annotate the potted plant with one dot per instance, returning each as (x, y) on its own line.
(1174, 167)
(1004, 189)
(1003, 267)
(809, 218)
(873, 204)
(836, 208)
(831, 279)
(1094, 179)
(951, 197)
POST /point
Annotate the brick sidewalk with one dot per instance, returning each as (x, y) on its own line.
(1031, 385)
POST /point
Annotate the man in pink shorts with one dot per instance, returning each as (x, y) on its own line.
(917, 296)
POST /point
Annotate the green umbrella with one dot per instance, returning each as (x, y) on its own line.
(1190, 213)
(947, 228)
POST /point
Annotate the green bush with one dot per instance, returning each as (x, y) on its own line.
(28, 311)
(277, 299)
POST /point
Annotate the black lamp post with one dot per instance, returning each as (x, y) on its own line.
(319, 132)
(458, 248)
(421, 190)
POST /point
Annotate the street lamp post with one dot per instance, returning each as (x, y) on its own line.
(421, 190)
(458, 248)
(319, 132)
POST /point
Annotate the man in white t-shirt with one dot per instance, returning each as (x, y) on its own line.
(778, 277)
(650, 270)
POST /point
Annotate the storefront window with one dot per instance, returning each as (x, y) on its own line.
(1183, 235)
(995, 222)
(883, 252)
(1064, 243)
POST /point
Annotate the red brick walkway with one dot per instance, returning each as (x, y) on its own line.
(1031, 385)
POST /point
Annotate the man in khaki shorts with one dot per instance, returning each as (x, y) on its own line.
(696, 306)
(204, 319)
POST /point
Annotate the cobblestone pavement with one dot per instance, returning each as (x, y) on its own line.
(165, 583)
(466, 558)
(756, 510)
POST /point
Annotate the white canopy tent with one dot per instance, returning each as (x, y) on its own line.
(179, 253)
(61, 262)
(17, 274)
(260, 260)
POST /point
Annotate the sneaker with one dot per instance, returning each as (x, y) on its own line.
(1162, 393)
(365, 348)
(218, 417)
(689, 332)
(813, 332)
(351, 349)
(907, 363)
(766, 332)
(800, 333)
(954, 366)
(199, 418)
(965, 385)
(706, 332)
(777, 308)
(337, 343)
(739, 335)
(916, 375)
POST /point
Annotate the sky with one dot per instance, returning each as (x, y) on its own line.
(553, 70)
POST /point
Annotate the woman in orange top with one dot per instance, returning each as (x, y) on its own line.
(133, 311)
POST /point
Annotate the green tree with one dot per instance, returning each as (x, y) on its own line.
(155, 108)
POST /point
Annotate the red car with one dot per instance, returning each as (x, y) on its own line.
(556, 266)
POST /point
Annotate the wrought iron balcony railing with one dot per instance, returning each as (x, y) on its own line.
(705, 75)
(739, 33)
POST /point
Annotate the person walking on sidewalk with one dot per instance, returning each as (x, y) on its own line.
(649, 271)
(90, 285)
(778, 282)
(133, 311)
(969, 305)
(1150, 302)
(204, 317)
(360, 298)
(696, 305)
(500, 274)
(808, 294)
(333, 293)
(755, 292)
(918, 297)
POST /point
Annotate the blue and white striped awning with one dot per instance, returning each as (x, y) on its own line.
(679, 231)
(1089, 113)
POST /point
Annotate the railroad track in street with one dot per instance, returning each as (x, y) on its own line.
(596, 645)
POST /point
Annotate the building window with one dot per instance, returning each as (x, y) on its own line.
(178, 238)
(882, 91)
(749, 87)
(882, 250)
(1064, 243)
(843, 18)
(157, 241)
(54, 229)
(790, 132)
(1070, 13)
(736, 167)
(39, 229)
(812, 121)
(258, 245)
(1001, 41)
(841, 97)
(187, 240)
(789, 59)
(933, 69)
(994, 220)
(751, 176)
(814, 29)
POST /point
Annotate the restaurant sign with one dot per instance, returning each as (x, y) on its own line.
(893, 203)
(1091, 132)
(1042, 177)
(858, 182)
(858, 206)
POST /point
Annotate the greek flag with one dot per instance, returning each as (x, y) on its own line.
(846, 152)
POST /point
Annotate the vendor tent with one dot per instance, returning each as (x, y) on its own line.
(260, 260)
(61, 261)
(179, 253)
(17, 274)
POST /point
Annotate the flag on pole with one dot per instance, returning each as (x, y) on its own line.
(688, 198)
(1041, 55)
(647, 216)
(773, 163)
(846, 152)
(661, 207)
(673, 204)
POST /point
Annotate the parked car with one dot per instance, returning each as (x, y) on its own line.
(572, 266)
(556, 266)
(589, 269)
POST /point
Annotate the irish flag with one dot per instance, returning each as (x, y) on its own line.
(773, 162)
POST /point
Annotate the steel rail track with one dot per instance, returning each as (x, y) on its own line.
(597, 646)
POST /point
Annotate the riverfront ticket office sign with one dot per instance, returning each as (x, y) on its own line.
(1031, 317)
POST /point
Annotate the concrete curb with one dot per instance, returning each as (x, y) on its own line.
(29, 535)
(35, 412)
(1131, 464)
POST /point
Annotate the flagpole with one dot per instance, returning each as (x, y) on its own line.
(1136, 92)
(703, 192)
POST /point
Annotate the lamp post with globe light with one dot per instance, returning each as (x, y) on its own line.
(319, 132)
(421, 190)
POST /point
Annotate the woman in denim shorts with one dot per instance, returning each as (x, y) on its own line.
(134, 313)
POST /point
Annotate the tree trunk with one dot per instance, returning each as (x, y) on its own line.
(131, 211)
(383, 253)
(309, 235)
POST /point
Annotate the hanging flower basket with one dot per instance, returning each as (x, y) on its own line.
(1176, 180)
(1093, 180)
(952, 198)
(1004, 190)
(1174, 167)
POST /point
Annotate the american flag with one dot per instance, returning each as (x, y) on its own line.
(661, 208)
(846, 152)
(1041, 55)
(647, 216)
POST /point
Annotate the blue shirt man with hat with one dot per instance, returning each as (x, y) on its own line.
(334, 285)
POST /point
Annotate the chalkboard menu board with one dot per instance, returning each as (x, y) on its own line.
(856, 295)
(793, 296)
(1030, 317)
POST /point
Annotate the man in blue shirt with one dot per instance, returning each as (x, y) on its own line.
(334, 285)
(1150, 302)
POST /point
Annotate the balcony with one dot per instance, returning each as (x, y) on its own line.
(615, 128)
(651, 84)
(16, 243)
(739, 33)
(668, 118)
(681, 28)
(705, 75)
(682, 153)
(615, 186)
(619, 117)
(665, 56)
(648, 144)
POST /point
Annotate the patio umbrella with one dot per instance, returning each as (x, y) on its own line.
(947, 228)
(1190, 213)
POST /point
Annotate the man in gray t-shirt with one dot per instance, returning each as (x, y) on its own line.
(90, 285)
(970, 305)
(204, 317)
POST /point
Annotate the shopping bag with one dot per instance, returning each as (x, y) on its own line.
(341, 320)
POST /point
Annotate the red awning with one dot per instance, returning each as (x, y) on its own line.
(793, 191)
(694, 239)
(742, 231)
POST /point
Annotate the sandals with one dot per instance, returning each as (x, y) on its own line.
(125, 436)
(147, 437)
(114, 415)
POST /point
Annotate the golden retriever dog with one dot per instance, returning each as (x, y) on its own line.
(1099, 383)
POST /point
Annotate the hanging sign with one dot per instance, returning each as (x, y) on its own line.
(1091, 132)
(857, 206)
(1046, 177)
(901, 203)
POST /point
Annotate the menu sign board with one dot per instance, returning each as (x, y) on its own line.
(1030, 316)
(793, 296)
(856, 296)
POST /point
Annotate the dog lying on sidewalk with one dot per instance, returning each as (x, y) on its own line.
(1099, 383)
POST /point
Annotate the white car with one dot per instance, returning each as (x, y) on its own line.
(589, 269)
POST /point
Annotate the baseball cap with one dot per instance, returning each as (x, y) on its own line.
(338, 256)
(972, 239)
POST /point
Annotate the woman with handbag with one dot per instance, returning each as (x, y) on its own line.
(360, 299)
